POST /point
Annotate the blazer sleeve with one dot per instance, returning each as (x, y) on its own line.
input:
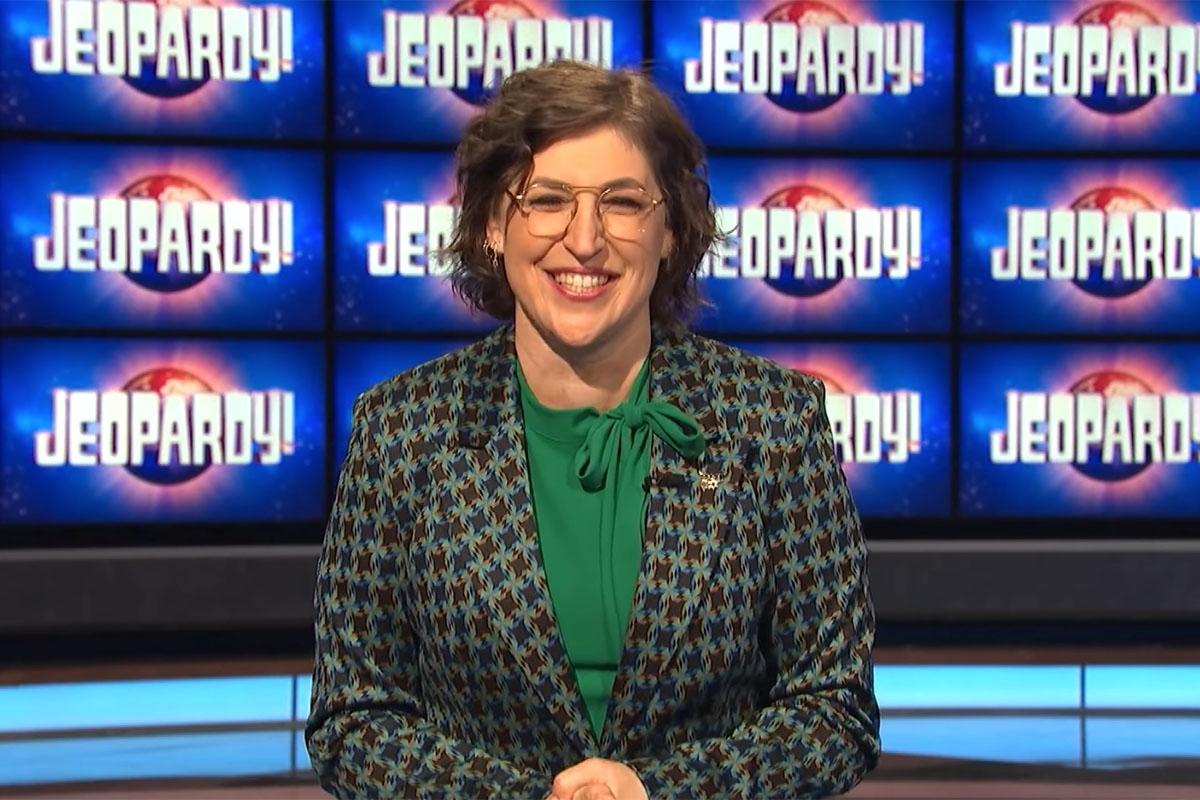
(367, 734)
(819, 734)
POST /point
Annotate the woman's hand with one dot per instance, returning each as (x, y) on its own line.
(593, 791)
(598, 779)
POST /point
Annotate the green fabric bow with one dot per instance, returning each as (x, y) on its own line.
(622, 435)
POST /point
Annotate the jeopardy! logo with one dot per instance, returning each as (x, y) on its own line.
(165, 48)
(803, 241)
(1114, 58)
(871, 427)
(476, 44)
(413, 234)
(166, 426)
(166, 233)
(806, 55)
(1110, 242)
(1110, 425)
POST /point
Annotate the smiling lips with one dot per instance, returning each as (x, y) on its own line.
(582, 285)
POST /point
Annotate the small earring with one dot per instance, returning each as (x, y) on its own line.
(493, 256)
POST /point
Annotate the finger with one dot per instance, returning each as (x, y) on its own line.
(570, 780)
(594, 791)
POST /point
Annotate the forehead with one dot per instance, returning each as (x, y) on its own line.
(592, 159)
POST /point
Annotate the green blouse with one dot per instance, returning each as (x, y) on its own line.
(587, 471)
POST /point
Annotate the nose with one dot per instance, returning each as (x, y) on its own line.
(584, 237)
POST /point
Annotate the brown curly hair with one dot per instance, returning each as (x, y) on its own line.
(534, 109)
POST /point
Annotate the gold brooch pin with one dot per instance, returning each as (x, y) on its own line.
(709, 480)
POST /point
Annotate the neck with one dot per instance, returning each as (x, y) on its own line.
(561, 377)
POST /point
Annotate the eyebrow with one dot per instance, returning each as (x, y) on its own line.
(615, 183)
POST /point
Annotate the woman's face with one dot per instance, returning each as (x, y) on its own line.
(584, 292)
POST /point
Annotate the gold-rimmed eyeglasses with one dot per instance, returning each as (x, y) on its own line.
(548, 208)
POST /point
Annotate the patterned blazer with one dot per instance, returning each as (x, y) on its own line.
(440, 671)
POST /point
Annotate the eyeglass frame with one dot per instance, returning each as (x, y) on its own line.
(600, 191)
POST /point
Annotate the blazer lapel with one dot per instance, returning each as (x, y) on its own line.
(682, 541)
(508, 562)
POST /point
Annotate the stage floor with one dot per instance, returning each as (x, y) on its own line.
(1035, 754)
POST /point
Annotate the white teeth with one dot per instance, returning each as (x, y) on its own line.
(579, 283)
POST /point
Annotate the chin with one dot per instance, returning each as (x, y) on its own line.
(576, 331)
(580, 331)
(575, 338)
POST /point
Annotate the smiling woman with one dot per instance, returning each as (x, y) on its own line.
(593, 555)
(581, 293)
(568, 101)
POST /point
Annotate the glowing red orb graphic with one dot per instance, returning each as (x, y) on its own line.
(166, 381)
(831, 386)
(809, 13)
(172, 86)
(1117, 14)
(802, 197)
(165, 188)
(1110, 383)
(476, 93)
(1110, 200)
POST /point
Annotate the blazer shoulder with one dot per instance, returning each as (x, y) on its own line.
(759, 383)
(420, 390)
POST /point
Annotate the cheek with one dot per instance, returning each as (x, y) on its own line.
(657, 254)
(520, 249)
(663, 244)
(642, 260)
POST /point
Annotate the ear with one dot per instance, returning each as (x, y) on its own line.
(496, 227)
(495, 235)
(668, 246)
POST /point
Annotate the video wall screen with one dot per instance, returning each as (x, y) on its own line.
(976, 223)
